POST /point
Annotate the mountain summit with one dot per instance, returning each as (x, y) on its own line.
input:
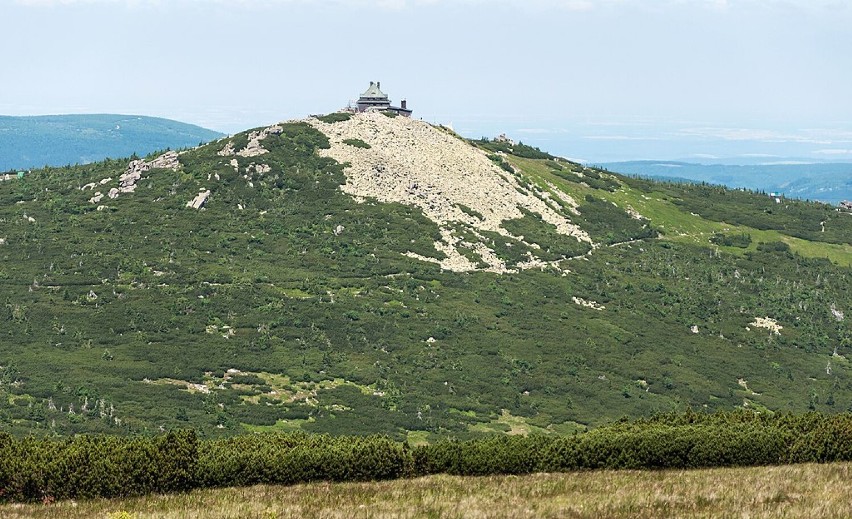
(357, 273)
(454, 184)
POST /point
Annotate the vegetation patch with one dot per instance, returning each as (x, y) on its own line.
(807, 220)
(551, 244)
(518, 149)
(594, 178)
(336, 117)
(607, 223)
(741, 241)
(497, 159)
(358, 143)
(87, 467)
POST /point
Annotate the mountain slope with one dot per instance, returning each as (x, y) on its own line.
(397, 163)
(415, 284)
(56, 140)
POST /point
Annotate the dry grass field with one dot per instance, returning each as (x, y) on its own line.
(787, 491)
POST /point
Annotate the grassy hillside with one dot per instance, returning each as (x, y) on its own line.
(57, 140)
(286, 304)
(788, 491)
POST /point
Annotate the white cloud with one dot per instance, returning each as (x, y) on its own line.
(786, 163)
(540, 131)
(807, 136)
(833, 152)
(620, 138)
(50, 3)
(728, 7)
(566, 4)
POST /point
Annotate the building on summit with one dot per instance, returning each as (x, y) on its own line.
(375, 99)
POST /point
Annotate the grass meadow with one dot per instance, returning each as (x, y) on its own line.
(807, 490)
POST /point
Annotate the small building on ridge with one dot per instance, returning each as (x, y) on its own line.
(375, 99)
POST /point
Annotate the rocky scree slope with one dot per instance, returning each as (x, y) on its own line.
(453, 183)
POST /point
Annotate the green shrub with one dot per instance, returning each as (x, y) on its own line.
(497, 455)
(774, 246)
(96, 466)
(497, 159)
(610, 224)
(518, 149)
(742, 240)
(298, 457)
(358, 143)
(336, 117)
(106, 466)
(691, 441)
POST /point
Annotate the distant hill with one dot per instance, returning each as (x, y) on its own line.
(57, 140)
(363, 273)
(825, 182)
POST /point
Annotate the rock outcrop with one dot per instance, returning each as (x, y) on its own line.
(767, 323)
(128, 180)
(199, 201)
(254, 147)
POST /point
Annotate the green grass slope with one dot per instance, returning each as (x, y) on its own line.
(57, 140)
(284, 304)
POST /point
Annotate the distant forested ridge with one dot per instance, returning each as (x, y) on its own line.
(57, 140)
(824, 182)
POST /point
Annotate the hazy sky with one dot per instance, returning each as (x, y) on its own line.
(603, 78)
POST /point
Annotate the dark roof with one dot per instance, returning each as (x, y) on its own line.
(374, 91)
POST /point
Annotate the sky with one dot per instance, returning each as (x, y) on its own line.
(595, 80)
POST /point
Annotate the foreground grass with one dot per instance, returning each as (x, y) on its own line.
(788, 491)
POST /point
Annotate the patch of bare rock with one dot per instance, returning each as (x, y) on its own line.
(254, 147)
(133, 174)
(588, 304)
(767, 323)
(199, 200)
(414, 163)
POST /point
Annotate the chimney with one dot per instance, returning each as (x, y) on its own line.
(404, 102)
(379, 85)
(371, 83)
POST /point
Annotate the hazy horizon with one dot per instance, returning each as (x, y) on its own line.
(592, 80)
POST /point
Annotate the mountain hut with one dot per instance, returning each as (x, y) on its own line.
(375, 99)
